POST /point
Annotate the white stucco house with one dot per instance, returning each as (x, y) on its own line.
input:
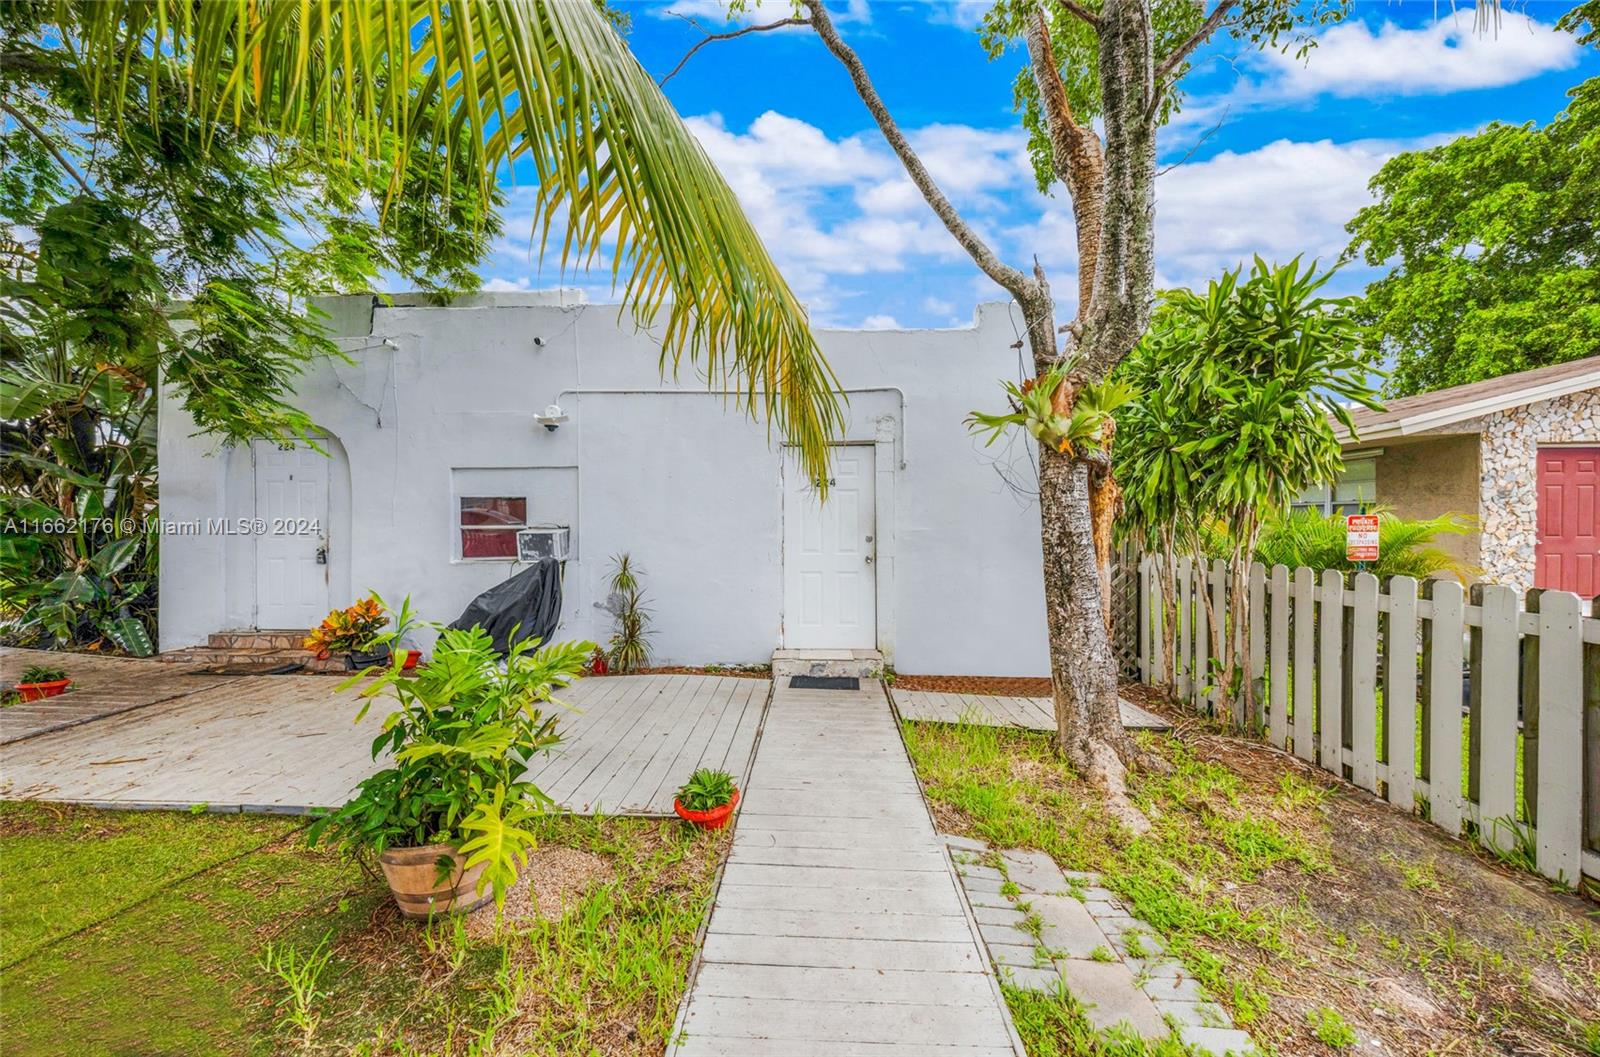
(928, 549)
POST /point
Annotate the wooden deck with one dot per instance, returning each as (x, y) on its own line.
(1030, 713)
(288, 744)
(101, 686)
(839, 927)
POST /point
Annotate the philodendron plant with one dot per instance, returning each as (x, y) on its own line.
(462, 736)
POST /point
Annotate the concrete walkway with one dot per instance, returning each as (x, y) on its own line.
(839, 928)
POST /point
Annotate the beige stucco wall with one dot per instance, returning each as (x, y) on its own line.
(1509, 472)
(1427, 477)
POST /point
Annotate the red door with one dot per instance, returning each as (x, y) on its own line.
(1567, 554)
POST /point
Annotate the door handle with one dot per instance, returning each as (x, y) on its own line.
(322, 555)
(869, 559)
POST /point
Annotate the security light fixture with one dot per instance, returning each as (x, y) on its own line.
(552, 418)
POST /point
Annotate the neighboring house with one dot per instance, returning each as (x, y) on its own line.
(1519, 453)
(928, 549)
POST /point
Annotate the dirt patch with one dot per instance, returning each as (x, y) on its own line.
(554, 880)
(997, 685)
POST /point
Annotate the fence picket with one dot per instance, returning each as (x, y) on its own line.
(1185, 622)
(1441, 649)
(1258, 649)
(1400, 692)
(1363, 653)
(1143, 651)
(1305, 664)
(1278, 663)
(1494, 714)
(1361, 679)
(1330, 672)
(1219, 618)
(1559, 693)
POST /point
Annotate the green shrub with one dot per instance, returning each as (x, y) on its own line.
(706, 790)
(1405, 547)
(463, 736)
(42, 673)
(1330, 1028)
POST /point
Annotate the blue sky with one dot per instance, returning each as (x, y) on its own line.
(1270, 155)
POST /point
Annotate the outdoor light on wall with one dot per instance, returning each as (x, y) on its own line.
(552, 417)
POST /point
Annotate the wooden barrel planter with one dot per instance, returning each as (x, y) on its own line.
(413, 876)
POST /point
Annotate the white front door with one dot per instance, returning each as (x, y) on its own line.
(830, 592)
(291, 536)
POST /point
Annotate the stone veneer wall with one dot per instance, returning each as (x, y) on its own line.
(1509, 468)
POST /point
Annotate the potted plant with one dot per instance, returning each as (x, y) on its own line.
(447, 820)
(40, 681)
(356, 631)
(383, 646)
(707, 799)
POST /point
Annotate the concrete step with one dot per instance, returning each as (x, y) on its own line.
(245, 660)
(249, 641)
(858, 664)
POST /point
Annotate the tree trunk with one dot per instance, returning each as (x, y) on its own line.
(1082, 670)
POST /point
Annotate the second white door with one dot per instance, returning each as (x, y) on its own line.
(830, 592)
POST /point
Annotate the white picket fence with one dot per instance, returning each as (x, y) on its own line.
(1366, 680)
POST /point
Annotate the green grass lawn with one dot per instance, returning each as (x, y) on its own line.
(1286, 896)
(147, 933)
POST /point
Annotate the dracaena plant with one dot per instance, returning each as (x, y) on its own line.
(706, 790)
(460, 741)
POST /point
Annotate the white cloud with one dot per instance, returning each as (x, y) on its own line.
(829, 208)
(1281, 200)
(1447, 55)
(881, 323)
(938, 306)
(962, 14)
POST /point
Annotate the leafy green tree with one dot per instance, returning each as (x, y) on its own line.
(1244, 384)
(1405, 547)
(136, 253)
(1495, 240)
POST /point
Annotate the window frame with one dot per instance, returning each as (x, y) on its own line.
(462, 527)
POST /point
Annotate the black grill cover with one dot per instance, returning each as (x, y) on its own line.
(529, 603)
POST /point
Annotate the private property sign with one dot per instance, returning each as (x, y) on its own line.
(1361, 537)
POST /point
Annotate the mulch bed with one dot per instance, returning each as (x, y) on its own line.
(996, 685)
(732, 673)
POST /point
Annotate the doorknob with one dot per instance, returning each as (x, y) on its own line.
(869, 559)
(322, 555)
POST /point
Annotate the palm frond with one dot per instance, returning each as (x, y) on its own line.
(502, 80)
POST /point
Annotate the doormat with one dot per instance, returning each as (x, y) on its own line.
(824, 682)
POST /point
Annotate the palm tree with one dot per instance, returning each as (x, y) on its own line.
(549, 81)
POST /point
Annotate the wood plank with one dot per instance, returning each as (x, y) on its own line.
(1330, 673)
(1257, 655)
(835, 924)
(809, 1020)
(1442, 634)
(1278, 659)
(1363, 654)
(1560, 771)
(928, 956)
(1185, 623)
(1400, 693)
(1305, 665)
(828, 984)
(1494, 714)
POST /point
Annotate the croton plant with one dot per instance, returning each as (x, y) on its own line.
(355, 627)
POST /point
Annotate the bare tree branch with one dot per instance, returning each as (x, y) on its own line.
(709, 37)
(38, 134)
(1080, 12)
(1014, 281)
(1165, 67)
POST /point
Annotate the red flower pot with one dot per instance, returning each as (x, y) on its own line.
(716, 818)
(39, 691)
(412, 657)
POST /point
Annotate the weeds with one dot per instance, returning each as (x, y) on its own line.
(301, 975)
(1330, 1028)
